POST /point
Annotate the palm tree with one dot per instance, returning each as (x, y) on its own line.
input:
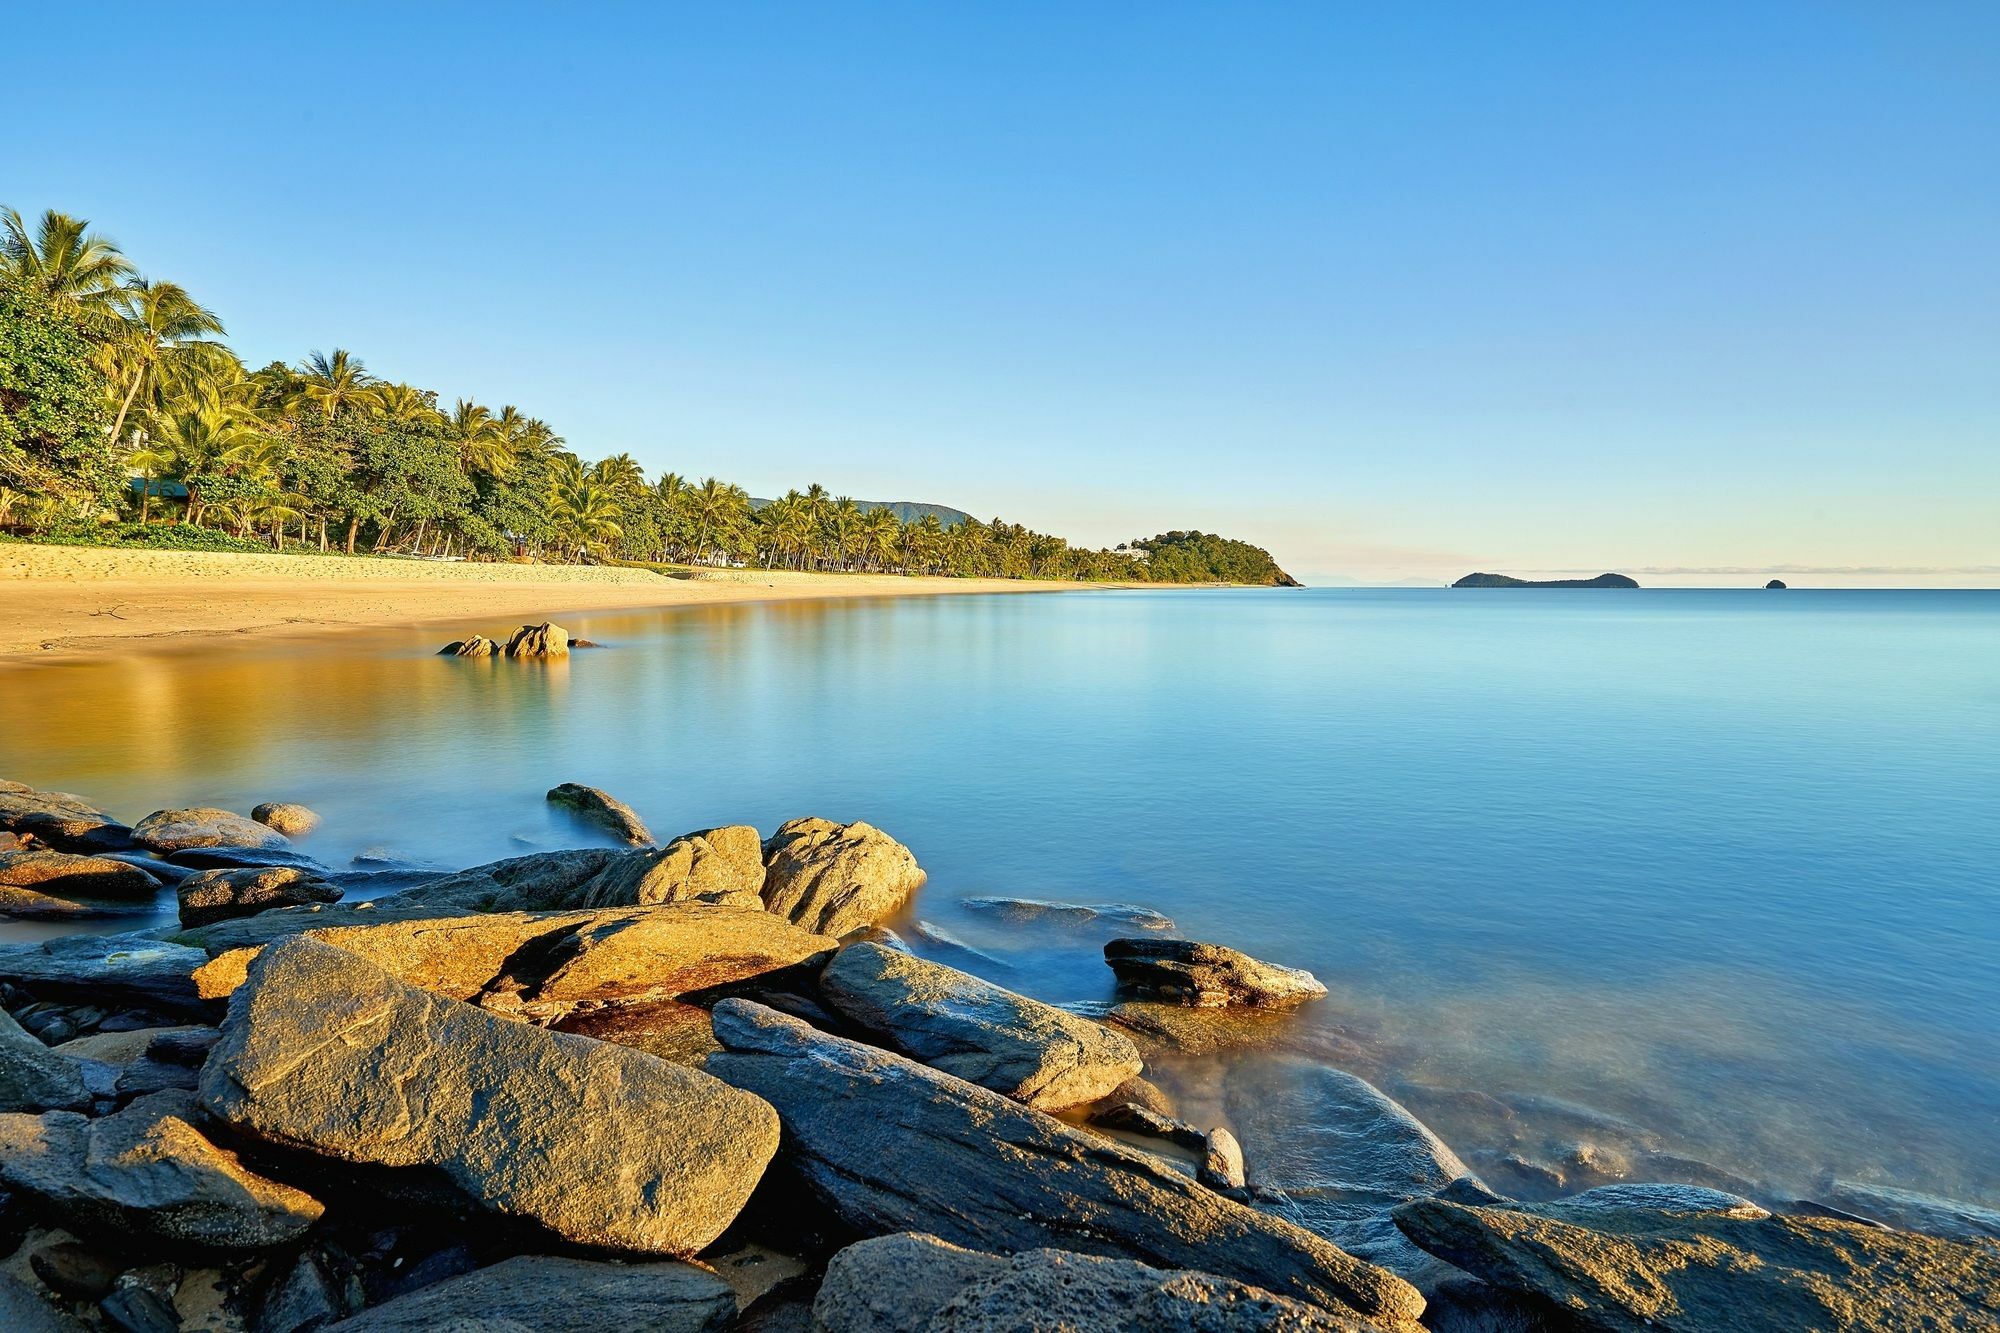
(74, 267)
(584, 508)
(622, 473)
(336, 381)
(204, 443)
(482, 445)
(159, 342)
(716, 513)
(881, 533)
(405, 404)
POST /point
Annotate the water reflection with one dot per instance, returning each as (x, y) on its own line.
(1716, 864)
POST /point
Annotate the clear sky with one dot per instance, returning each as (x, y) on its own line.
(1697, 292)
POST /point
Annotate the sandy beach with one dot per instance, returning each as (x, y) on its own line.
(70, 601)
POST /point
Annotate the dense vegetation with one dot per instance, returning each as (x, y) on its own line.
(125, 420)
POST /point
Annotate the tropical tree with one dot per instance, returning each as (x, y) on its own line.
(160, 344)
(336, 381)
(76, 270)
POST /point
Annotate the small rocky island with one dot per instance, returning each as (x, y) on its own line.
(705, 1086)
(1508, 581)
(1775, 583)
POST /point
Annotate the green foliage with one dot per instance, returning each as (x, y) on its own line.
(1200, 557)
(104, 372)
(52, 406)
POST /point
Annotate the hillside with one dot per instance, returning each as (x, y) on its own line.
(1201, 557)
(1508, 581)
(906, 511)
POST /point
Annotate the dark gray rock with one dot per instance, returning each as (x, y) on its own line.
(242, 858)
(119, 969)
(913, 1283)
(890, 1145)
(62, 821)
(202, 826)
(22, 1310)
(950, 1020)
(1206, 975)
(221, 895)
(834, 878)
(596, 806)
(74, 1271)
(1131, 1118)
(136, 1309)
(35, 1078)
(546, 1294)
(164, 872)
(596, 1143)
(1634, 1270)
(146, 1175)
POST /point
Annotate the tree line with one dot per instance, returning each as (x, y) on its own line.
(124, 418)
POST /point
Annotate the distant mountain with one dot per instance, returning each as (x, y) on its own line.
(1202, 557)
(906, 511)
(1508, 581)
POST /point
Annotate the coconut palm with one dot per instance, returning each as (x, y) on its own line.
(336, 381)
(622, 473)
(404, 404)
(482, 445)
(63, 260)
(198, 445)
(159, 343)
(716, 513)
(881, 536)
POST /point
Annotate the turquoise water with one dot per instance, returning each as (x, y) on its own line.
(1722, 864)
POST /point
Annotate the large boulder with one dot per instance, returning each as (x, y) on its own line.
(949, 1020)
(60, 820)
(1206, 975)
(1640, 1270)
(202, 826)
(107, 969)
(476, 646)
(35, 1078)
(541, 1293)
(218, 895)
(598, 1144)
(1343, 1154)
(596, 806)
(145, 1175)
(890, 1145)
(547, 639)
(543, 965)
(288, 817)
(718, 865)
(834, 878)
(913, 1283)
(65, 874)
(537, 882)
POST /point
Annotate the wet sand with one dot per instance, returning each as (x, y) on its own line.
(79, 601)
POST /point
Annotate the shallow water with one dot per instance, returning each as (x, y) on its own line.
(1720, 864)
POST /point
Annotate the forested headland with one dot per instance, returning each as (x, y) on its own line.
(126, 420)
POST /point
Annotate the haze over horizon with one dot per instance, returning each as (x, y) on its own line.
(1700, 297)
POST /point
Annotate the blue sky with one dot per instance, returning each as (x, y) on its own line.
(1699, 291)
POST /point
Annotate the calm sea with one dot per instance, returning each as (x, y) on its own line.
(1720, 870)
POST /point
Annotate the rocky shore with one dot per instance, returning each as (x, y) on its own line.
(705, 1085)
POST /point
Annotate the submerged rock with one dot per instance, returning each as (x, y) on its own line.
(218, 895)
(145, 1175)
(1184, 1031)
(547, 639)
(202, 826)
(288, 817)
(834, 878)
(1023, 910)
(1665, 1198)
(916, 1283)
(1628, 1270)
(541, 1292)
(890, 1145)
(1206, 975)
(597, 806)
(1343, 1153)
(950, 1020)
(60, 820)
(1912, 1211)
(598, 1144)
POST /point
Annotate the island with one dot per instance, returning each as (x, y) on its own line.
(1507, 581)
(1774, 583)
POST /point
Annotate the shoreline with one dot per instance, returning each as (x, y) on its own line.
(74, 603)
